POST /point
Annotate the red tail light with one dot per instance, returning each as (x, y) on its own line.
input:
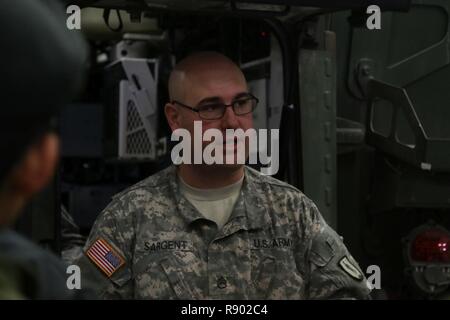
(431, 245)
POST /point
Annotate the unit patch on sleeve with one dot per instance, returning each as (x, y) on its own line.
(350, 269)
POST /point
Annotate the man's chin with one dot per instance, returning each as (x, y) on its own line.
(226, 166)
(233, 165)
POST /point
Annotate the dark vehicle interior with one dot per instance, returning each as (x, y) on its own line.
(363, 117)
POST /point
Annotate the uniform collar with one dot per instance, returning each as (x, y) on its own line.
(189, 213)
(250, 211)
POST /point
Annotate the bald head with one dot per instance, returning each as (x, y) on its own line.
(201, 68)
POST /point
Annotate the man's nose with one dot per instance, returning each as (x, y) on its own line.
(229, 119)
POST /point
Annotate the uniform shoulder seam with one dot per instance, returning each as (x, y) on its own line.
(260, 178)
(152, 181)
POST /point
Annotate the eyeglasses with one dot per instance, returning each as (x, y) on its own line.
(216, 110)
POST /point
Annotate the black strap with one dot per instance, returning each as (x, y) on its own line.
(107, 14)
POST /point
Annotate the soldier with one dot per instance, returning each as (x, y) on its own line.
(220, 231)
(41, 64)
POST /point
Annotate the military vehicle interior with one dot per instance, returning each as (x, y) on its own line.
(363, 117)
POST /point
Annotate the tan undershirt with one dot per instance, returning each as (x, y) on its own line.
(214, 204)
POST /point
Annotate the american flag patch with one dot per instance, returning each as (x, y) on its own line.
(105, 257)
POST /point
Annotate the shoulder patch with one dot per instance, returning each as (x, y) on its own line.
(105, 257)
(350, 269)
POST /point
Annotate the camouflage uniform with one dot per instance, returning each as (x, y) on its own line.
(276, 245)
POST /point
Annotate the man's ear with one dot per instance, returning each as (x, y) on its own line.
(37, 166)
(172, 116)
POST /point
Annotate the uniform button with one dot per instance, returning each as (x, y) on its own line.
(221, 283)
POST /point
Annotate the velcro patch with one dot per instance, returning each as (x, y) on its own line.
(105, 257)
(350, 269)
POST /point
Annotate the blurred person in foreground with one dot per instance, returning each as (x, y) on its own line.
(41, 63)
